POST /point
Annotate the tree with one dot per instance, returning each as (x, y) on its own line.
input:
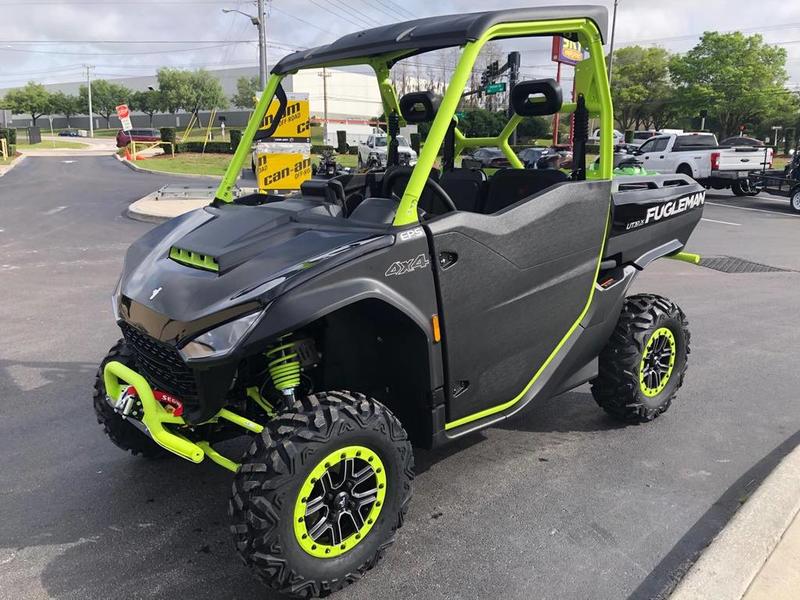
(738, 79)
(148, 102)
(246, 92)
(67, 105)
(205, 93)
(641, 87)
(33, 99)
(173, 85)
(106, 96)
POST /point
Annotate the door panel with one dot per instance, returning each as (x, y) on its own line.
(516, 283)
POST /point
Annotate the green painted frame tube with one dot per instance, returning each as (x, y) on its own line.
(590, 39)
(155, 415)
(222, 461)
(228, 183)
(688, 257)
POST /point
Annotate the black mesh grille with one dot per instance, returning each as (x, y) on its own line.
(162, 365)
(732, 264)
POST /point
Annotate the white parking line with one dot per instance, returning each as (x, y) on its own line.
(721, 222)
(55, 210)
(772, 212)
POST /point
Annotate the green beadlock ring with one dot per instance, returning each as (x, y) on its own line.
(661, 332)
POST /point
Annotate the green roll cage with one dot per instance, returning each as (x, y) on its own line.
(591, 80)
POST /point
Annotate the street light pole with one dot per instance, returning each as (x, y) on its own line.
(260, 22)
(611, 46)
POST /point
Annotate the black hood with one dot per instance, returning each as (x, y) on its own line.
(250, 254)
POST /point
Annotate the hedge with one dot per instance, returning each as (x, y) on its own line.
(212, 147)
(236, 137)
(168, 134)
(9, 134)
(320, 148)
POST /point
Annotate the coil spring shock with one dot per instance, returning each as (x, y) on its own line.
(284, 366)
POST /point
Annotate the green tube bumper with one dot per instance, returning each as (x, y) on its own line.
(155, 416)
(686, 257)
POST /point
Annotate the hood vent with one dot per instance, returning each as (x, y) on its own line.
(194, 259)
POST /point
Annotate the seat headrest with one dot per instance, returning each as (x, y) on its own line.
(419, 107)
(536, 98)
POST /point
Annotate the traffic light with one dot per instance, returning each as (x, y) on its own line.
(484, 79)
(494, 69)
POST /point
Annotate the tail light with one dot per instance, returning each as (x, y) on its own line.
(714, 161)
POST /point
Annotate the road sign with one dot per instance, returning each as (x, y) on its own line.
(496, 88)
(124, 115)
(566, 51)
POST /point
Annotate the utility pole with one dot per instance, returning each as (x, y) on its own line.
(325, 76)
(260, 21)
(262, 45)
(513, 63)
(611, 49)
(89, 86)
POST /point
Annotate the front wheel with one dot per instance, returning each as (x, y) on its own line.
(645, 361)
(321, 493)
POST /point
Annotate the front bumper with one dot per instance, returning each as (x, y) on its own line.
(155, 417)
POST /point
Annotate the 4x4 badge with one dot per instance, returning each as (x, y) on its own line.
(401, 267)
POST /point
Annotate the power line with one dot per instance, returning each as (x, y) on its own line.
(336, 14)
(60, 52)
(295, 17)
(390, 3)
(150, 42)
(369, 21)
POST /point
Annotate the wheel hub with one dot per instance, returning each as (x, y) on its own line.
(658, 360)
(339, 501)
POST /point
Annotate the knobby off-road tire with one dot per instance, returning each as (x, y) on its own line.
(120, 432)
(629, 386)
(271, 522)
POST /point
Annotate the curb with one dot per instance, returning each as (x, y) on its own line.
(138, 169)
(8, 168)
(735, 557)
(150, 210)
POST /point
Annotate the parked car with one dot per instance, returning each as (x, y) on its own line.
(490, 157)
(640, 137)
(698, 155)
(137, 135)
(374, 153)
(68, 133)
(619, 138)
(530, 156)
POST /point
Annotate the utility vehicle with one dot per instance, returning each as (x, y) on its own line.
(408, 304)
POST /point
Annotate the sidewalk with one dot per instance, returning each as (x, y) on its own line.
(757, 555)
(154, 208)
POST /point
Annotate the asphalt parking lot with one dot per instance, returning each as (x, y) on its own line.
(558, 503)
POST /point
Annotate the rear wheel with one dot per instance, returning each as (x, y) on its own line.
(685, 170)
(121, 432)
(644, 362)
(321, 493)
(794, 199)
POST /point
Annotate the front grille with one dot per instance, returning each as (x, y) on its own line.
(162, 365)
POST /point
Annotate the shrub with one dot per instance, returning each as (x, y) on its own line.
(320, 148)
(9, 134)
(211, 147)
(236, 137)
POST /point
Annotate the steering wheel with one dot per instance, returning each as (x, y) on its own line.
(386, 188)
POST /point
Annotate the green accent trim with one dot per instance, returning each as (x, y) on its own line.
(255, 395)
(222, 461)
(506, 405)
(228, 183)
(194, 259)
(334, 458)
(685, 257)
(156, 416)
(657, 334)
(593, 84)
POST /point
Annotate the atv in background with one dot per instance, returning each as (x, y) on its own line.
(328, 167)
(405, 304)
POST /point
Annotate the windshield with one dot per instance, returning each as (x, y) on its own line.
(380, 142)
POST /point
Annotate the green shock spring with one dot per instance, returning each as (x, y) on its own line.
(284, 366)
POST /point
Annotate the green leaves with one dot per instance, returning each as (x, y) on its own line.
(32, 99)
(246, 92)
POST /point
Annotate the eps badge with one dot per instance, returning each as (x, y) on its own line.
(402, 267)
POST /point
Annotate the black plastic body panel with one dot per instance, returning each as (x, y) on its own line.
(520, 280)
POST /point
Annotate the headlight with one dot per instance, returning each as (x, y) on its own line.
(221, 340)
(115, 298)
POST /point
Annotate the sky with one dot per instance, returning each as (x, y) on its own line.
(49, 40)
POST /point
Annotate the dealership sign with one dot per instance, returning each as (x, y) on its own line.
(566, 51)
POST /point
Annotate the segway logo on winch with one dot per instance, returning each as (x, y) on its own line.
(674, 207)
(402, 267)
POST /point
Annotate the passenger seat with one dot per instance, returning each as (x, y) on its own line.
(466, 187)
(509, 186)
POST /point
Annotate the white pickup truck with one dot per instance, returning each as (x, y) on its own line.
(699, 156)
(373, 153)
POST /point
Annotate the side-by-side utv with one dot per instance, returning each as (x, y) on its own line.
(404, 305)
